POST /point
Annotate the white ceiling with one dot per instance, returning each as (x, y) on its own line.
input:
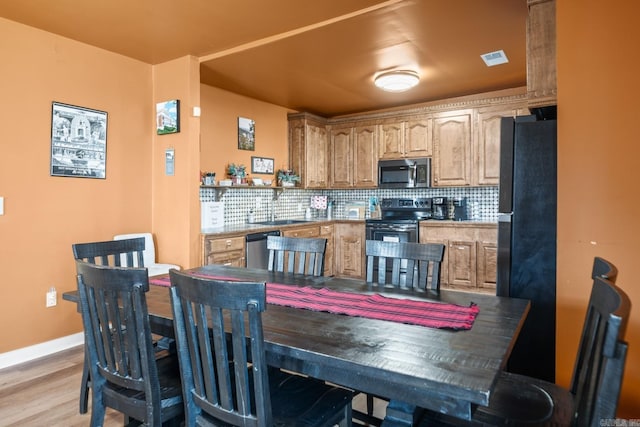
(318, 56)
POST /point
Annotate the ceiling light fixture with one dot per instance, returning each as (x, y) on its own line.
(397, 81)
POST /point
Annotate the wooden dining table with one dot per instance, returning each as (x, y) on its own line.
(444, 370)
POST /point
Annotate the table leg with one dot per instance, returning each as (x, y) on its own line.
(400, 414)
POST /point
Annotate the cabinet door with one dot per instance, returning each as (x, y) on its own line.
(542, 87)
(317, 153)
(365, 156)
(349, 250)
(444, 265)
(391, 139)
(417, 137)
(326, 231)
(452, 148)
(462, 264)
(341, 157)
(487, 265)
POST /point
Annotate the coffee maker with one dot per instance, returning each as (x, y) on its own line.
(440, 208)
(460, 209)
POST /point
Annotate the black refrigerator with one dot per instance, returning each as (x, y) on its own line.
(527, 237)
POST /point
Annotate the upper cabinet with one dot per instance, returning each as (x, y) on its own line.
(354, 160)
(405, 137)
(452, 138)
(486, 149)
(542, 88)
(462, 137)
(309, 149)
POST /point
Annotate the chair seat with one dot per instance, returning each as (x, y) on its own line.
(302, 401)
(526, 400)
(299, 401)
(170, 392)
(158, 269)
(517, 400)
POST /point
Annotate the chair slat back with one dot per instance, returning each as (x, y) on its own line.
(300, 255)
(117, 331)
(412, 265)
(597, 376)
(119, 253)
(215, 371)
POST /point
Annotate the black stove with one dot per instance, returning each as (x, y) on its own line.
(399, 219)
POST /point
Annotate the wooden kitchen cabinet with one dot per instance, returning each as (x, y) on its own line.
(405, 138)
(542, 87)
(226, 251)
(327, 231)
(470, 258)
(349, 250)
(487, 265)
(309, 149)
(452, 137)
(354, 158)
(486, 143)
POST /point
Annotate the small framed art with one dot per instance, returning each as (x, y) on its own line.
(168, 117)
(246, 134)
(261, 165)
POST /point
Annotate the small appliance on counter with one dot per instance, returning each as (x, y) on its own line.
(440, 206)
(460, 209)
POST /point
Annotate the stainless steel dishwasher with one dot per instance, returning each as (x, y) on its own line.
(257, 254)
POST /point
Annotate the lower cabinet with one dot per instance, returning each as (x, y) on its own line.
(470, 256)
(349, 250)
(324, 231)
(226, 251)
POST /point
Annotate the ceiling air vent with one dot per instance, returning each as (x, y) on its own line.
(494, 58)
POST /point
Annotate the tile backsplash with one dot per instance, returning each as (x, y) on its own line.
(292, 203)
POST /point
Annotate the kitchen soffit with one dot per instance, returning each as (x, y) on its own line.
(320, 59)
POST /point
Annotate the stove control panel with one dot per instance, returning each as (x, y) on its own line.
(415, 204)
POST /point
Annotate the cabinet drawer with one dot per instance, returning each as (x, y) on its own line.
(235, 258)
(229, 244)
(303, 232)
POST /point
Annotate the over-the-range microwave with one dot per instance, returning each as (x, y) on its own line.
(404, 173)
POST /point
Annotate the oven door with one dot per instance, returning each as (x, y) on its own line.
(393, 233)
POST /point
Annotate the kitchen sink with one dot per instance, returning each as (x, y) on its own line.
(281, 222)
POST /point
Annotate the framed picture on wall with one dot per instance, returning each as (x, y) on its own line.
(168, 117)
(246, 134)
(78, 141)
(261, 165)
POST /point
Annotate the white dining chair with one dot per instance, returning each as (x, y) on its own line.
(149, 254)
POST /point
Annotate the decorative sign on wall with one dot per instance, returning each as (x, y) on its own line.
(168, 117)
(78, 141)
(246, 134)
(261, 165)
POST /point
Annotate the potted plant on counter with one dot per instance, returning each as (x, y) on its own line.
(238, 173)
(287, 178)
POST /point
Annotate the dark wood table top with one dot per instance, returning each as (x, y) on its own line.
(443, 370)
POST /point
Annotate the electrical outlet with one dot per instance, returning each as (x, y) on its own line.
(299, 207)
(258, 202)
(52, 297)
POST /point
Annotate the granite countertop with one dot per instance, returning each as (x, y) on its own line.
(240, 229)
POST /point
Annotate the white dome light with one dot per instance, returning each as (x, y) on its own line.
(397, 81)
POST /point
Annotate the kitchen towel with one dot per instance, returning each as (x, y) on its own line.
(319, 202)
(375, 306)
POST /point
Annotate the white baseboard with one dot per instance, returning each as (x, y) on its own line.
(25, 354)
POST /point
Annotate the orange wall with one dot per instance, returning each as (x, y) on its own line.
(44, 215)
(175, 201)
(219, 127)
(598, 173)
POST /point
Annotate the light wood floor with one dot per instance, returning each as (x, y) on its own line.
(44, 393)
